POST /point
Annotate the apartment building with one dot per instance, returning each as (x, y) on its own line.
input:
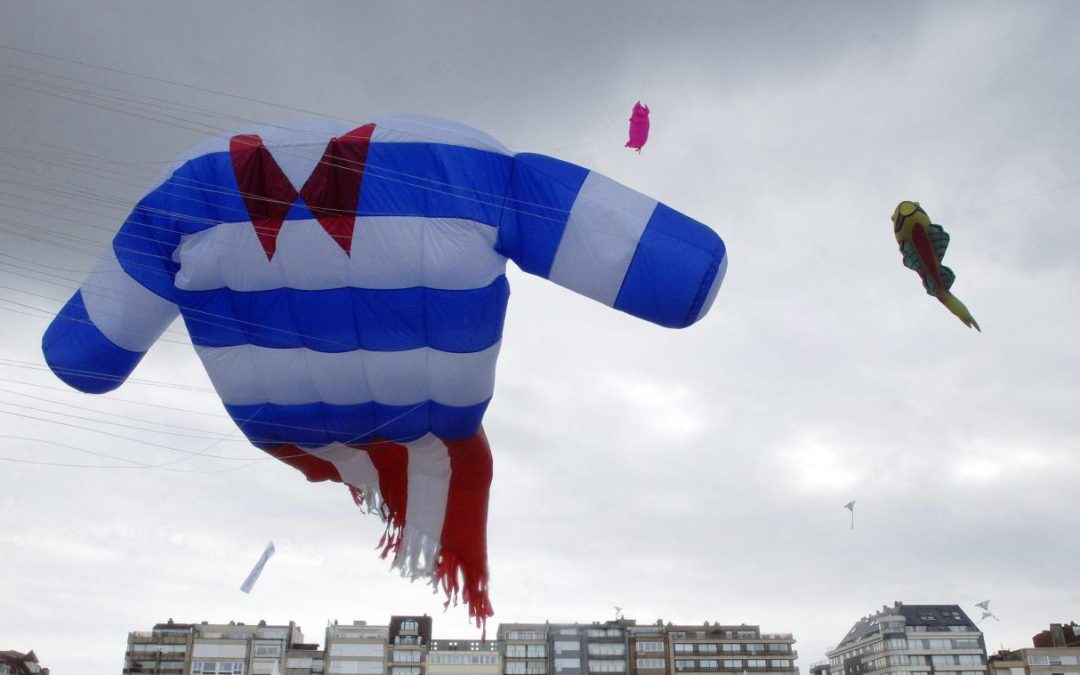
(623, 647)
(405, 646)
(17, 663)
(210, 649)
(725, 648)
(463, 657)
(911, 640)
(400, 647)
(1055, 652)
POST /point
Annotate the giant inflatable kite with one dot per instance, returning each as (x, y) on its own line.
(345, 289)
(923, 245)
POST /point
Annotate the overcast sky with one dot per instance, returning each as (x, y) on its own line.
(682, 475)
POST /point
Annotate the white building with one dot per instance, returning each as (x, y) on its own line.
(911, 640)
(211, 649)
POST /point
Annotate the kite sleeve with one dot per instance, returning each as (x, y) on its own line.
(127, 301)
(603, 240)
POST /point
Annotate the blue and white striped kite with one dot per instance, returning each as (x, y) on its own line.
(345, 288)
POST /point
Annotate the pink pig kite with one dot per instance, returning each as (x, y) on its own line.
(639, 127)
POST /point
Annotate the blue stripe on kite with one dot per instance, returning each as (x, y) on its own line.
(543, 190)
(435, 181)
(199, 195)
(345, 319)
(672, 270)
(81, 355)
(318, 424)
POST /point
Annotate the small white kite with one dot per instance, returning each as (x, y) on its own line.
(850, 506)
(985, 606)
(249, 583)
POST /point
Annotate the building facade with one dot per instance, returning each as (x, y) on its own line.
(463, 657)
(1055, 652)
(405, 646)
(17, 663)
(211, 649)
(911, 640)
(623, 647)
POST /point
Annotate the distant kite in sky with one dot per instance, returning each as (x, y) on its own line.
(639, 127)
(345, 288)
(850, 506)
(985, 606)
(923, 245)
(256, 571)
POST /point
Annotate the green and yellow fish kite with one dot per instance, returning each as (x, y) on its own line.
(923, 245)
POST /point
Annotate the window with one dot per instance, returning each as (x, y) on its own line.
(606, 649)
(684, 664)
(707, 648)
(515, 651)
(755, 648)
(410, 625)
(780, 648)
(524, 635)
(462, 659)
(525, 668)
(650, 663)
(406, 656)
(352, 667)
(606, 666)
(356, 649)
(708, 664)
(1038, 660)
(566, 646)
(731, 647)
(536, 651)
(645, 647)
(571, 664)
(733, 663)
(405, 670)
(780, 663)
(267, 650)
(684, 648)
(755, 663)
(217, 668)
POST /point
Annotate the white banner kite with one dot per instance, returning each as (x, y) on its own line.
(257, 570)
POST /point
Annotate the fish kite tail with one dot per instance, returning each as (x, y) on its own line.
(959, 309)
